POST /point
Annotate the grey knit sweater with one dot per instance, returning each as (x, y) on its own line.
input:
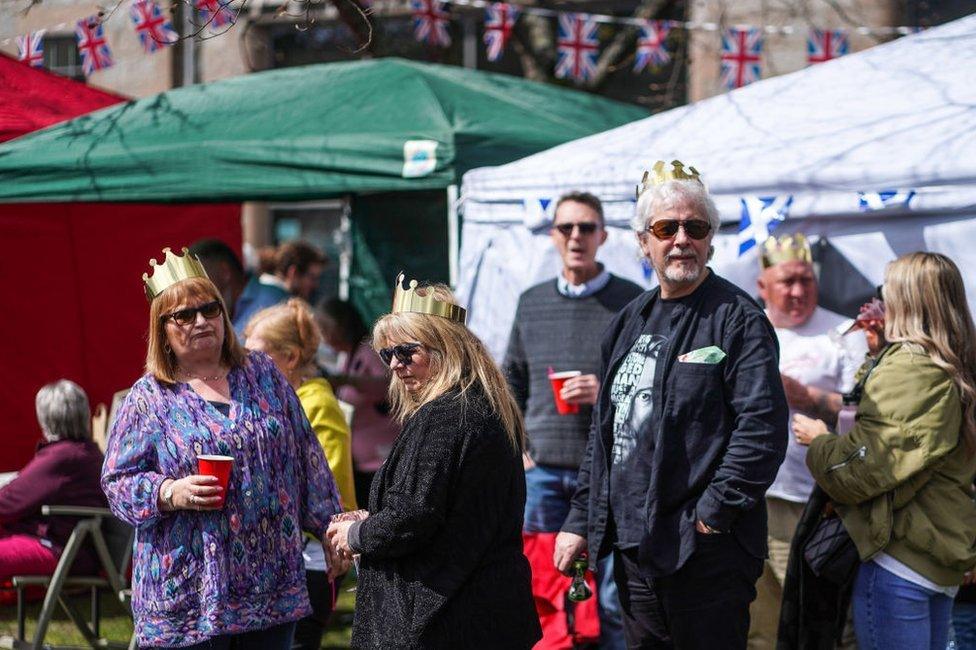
(551, 329)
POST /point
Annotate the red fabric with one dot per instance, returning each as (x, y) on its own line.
(560, 628)
(71, 298)
(31, 98)
(22, 555)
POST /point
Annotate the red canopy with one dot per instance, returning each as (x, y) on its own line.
(71, 297)
(32, 98)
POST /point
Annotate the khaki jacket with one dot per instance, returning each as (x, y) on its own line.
(902, 479)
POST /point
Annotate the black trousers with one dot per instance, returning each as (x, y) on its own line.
(704, 605)
(321, 595)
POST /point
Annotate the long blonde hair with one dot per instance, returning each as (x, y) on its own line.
(458, 360)
(925, 304)
(289, 327)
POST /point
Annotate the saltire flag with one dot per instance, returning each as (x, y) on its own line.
(885, 199)
(760, 216)
(30, 49)
(538, 212)
(151, 24)
(500, 19)
(741, 50)
(95, 53)
(216, 14)
(826, 44)
(650, 45)
(430, 22)
(578, 47)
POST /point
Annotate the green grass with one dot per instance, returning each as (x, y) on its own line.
(117, 625)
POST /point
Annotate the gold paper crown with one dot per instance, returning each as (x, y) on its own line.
(786, 248)
(421, 301)
(173, 269)
(662, 175)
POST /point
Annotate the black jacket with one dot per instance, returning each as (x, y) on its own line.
(723, 428)
(441, 552)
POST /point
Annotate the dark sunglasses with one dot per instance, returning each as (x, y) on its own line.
(878, 292)
(403, 352)
(585, 228)
(189, 315)
(668, 228)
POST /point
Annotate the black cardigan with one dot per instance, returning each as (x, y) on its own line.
(441, 552)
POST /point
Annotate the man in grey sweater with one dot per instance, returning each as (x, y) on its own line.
(558, 327)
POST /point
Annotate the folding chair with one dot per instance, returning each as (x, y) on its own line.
(112, 540)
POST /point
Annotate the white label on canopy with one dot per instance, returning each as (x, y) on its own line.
(419, 158)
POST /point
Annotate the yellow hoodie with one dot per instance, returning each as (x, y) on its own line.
(328, 422)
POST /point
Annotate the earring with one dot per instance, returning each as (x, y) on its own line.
(167, 349)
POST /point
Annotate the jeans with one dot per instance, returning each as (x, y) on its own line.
(704, 605)
(548, 491)
(272, 638)
(891, 612)
(964, 624)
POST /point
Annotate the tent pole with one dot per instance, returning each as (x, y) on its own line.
(453, 235)
(345, 257)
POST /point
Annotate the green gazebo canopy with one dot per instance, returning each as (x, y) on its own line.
(302, 133)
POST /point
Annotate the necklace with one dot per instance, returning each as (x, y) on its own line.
(189, 375)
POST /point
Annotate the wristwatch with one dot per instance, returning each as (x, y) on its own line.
(168, 495)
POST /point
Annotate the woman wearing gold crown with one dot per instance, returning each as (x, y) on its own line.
(441, 550)
(213, 566)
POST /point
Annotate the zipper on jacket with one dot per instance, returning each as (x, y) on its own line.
(856, 454)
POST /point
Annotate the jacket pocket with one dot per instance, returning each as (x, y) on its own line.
(857, 454)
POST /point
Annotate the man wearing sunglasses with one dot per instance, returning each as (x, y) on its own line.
(557, 327)
(689, 429)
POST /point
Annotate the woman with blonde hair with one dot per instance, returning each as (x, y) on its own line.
(213, 567)
(902, 479)
(441, 550)
(289, 335)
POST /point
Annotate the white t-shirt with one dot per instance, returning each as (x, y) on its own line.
(814, 357)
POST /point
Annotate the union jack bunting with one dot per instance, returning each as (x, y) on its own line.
(154, 29)
(741, 50)
(95, 53)
(826, 44)
(650, 45)
(760, 216)
(217, 14)
(430, 22)
(499, 21)
(885, 199)
(578, 47)
(30, 49)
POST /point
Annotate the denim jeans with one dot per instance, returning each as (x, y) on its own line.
(548, 491)
(964, 625)
(891, 612)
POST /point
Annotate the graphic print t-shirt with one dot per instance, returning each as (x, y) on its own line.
(635, 417)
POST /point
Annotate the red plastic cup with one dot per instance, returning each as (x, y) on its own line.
(558, 379)
(218, 466)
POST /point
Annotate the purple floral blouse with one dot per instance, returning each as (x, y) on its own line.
(202, 574)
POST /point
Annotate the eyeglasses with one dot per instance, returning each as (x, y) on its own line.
(403, 352)
(188, 316)
(585, 228)
(668, 228)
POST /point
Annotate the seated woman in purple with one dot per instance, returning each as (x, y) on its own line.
(63, 472)
(214, 567)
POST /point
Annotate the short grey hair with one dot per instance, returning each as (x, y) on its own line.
(63, 411)
(669, 194)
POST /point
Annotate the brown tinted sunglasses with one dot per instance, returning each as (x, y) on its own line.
(668, 228)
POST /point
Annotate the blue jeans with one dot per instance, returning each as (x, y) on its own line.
(273, 638)
(548, 491)
(891, 612)
(964, 624)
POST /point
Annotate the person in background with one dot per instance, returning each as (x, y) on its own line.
(64, 472)
(816, 367)
(224, 269)
(289, 335)
(678, 498)
(214, 567)
(902, 478)
(363, 382)
(558, 324)
(441, 563)
(297, 270)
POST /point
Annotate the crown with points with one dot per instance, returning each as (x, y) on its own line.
(662, 175)
(421, 301)
(786, 248)
(173, 269)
